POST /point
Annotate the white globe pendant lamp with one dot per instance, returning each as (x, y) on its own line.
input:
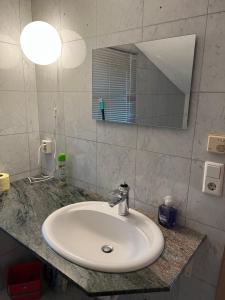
(40, 43)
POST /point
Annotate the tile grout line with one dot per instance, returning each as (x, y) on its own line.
(191, 162)
(89, 91)
(26, 100)
(206, 225)
(183, 19)
(196, 117)
(142, 27)
(131, 148)
(134, 28)
(204, 281)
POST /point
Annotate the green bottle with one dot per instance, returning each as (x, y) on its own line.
(62, 167)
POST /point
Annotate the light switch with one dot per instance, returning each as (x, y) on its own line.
(216, 143)
(213, 178)
(213, 171)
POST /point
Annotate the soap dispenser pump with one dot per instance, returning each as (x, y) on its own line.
(167, 213)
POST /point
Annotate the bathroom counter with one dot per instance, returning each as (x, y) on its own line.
(25, 207)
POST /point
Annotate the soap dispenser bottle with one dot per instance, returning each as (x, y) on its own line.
(167, 213)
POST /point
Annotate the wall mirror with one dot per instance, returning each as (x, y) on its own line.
(146, 83)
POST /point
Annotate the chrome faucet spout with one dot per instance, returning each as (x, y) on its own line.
(116, 198)
(121, 197)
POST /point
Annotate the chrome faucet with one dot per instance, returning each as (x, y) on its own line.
(121, 197)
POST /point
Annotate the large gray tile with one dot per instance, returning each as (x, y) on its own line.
(59, 119)
(32, 111)
(49, 120)
(192, 288)
(81, 160)
(206, 262)
(34, 143)
(78, 19)
(11, 67)
(20, 176)
(202, 207)
(213, 71)
(25, 13)
(161, 11)
(76, 64)
(14, 153)
(114, 166)
(82, 184)
(78, 120)
(178, 28)
(47, 11)
(47, 77)
(9, 21)
(120, 38)
(28, 66)
(118, 15)
(46, 104)
(117, 134)
(13, 113)
(210, 119)
(195, 25)
(216, 6)
(29, 75)
(170, 141)
(158, 175)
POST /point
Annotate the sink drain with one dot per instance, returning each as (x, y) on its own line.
(107, 249)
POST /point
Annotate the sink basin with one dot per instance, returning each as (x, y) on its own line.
(93, 235)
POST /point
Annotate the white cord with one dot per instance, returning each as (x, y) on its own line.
(39, 155)
(33, 180)
(43, 178)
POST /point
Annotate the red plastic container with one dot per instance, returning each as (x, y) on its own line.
(24, 281)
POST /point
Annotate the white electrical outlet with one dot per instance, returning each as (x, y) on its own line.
(213, 178)
(46, 146)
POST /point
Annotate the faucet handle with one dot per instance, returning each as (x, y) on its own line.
(124, 185)
(124, 188)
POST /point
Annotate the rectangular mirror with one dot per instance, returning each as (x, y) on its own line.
(146, 83)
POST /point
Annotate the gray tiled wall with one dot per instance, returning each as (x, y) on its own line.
(19, 124)
(155, 162)
(19, 128)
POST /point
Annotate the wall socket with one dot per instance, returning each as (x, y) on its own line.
(213, 178)
(216, 143)
(46, 146)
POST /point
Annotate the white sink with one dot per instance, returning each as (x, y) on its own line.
(79, 231)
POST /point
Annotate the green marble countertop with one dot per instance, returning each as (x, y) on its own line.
(25, 207)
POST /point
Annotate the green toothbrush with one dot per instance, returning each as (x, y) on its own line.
(101, 106)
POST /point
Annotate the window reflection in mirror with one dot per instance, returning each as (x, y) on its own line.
(146, 83)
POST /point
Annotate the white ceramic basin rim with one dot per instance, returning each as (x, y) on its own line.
(79, 231)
